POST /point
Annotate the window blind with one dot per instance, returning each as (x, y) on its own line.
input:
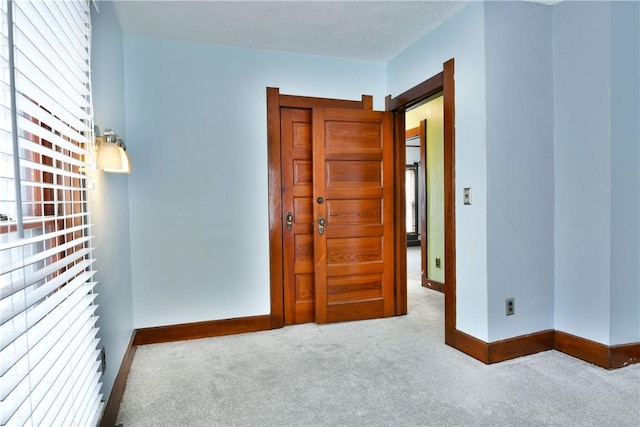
(49, 354)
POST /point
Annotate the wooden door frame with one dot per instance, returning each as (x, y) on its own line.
(441, 82)
(276, 101)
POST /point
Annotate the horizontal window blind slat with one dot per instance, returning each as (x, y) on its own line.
(5, 99)
(61, 150)
(39, 311)
(71, 27)
(77, 119)
(30, 166)
(47, 222)
(31, 81)
(55, 381)
(86, 389)
(64, 140)
(78, 366)
(36, 273)
(49, 186)
(20, 301)
(46, 21)
(37, 258)
(31, 68)
(5, 125)
(37, 66)
(5, 79)
(16, 408)
(38, 33)
(43, 237)
(6, 147)
(42, 363)
(61, 410)
(17, 360)
(86, 366)
(51, 169)
(5, 134)
(52, 224)
(32, 38)
(44, 374)
(91, 417)
(54, 154)
(42, 336)
(17, 325)
(82, 367)
(65, 415)
(32, 109)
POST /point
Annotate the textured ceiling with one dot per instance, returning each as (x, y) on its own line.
(366, 30)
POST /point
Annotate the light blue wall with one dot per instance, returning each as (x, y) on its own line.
(109, 199)
(197, 134)
(520, 194)
(596, 81)
(462, 38)
(625, 173)
(582, 75)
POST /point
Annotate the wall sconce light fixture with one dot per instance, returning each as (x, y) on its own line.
(112, 154)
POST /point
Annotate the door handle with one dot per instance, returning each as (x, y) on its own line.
(321, 225)
(289, 221)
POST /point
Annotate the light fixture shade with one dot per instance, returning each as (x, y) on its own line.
(126, 161)
(113, 158)
(109, 156)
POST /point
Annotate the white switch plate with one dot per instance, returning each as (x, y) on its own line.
(467, 195)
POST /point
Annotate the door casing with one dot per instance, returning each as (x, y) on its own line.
(275, 102)
(441, 82)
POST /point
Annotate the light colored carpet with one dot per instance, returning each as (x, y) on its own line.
(385, 372)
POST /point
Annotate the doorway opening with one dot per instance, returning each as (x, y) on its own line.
(424, 125)
(442, 84)
(424, 183)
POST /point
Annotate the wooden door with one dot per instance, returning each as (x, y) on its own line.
(291, 192)
(353, 214)
(297, 189)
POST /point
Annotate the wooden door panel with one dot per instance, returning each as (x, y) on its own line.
(343, 312)
(353, 250)
(335, 232)
(353, 173)
(297, 188)
(303, 251)
(302, 172)
(345, 174)
(301, 129)
(361, 212)
(304, 298)
(352, 269)
(303, 210)
(305, 287)
(349, 288)
(342, 136)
